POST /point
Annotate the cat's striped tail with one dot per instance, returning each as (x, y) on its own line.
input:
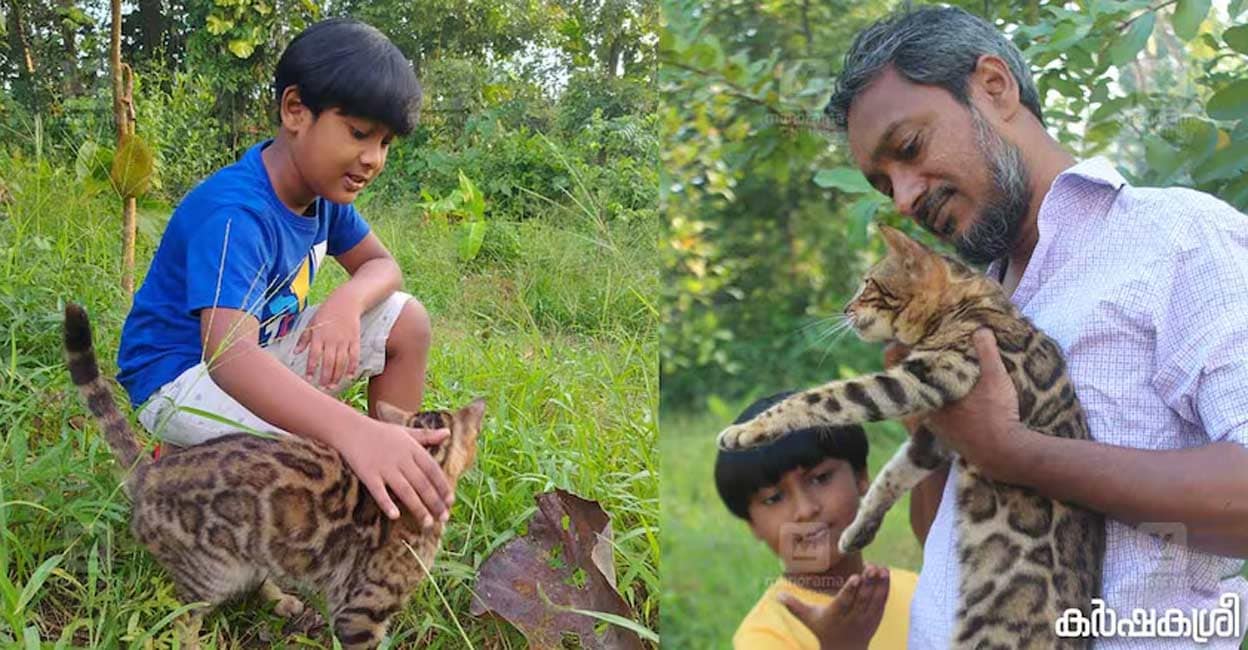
(85, 372)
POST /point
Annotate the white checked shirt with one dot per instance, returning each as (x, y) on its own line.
(1146, 291)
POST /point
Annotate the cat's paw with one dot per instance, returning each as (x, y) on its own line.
(741, 436)
(859, 533)
(288, 606)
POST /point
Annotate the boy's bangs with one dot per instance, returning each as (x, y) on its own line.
(384, 91)
(741, 473)
(349, 65)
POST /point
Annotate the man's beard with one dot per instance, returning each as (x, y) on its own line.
(991, 236)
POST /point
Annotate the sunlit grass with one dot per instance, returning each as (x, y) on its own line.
(553, 330)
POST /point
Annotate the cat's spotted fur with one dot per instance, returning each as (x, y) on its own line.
(1024, 558)
(243, 512)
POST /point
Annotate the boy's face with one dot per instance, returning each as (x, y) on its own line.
(801, 517)
(337, 155)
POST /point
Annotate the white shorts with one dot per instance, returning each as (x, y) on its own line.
(165, 416)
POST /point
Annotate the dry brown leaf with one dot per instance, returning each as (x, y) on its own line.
(567, 557)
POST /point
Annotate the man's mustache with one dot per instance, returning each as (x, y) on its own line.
(929, 207)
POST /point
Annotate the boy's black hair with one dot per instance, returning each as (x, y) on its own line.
(349, 65)
(741, 473)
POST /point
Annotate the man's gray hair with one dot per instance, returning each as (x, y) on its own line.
(935, 46)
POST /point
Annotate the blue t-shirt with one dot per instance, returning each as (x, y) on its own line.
(233, 244)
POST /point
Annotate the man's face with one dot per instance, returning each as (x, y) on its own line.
(801, 517)
(943, 165)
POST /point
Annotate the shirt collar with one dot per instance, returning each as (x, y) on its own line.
(1098, 170)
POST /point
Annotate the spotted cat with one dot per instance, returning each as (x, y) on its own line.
(244, 511)
(1024, 558)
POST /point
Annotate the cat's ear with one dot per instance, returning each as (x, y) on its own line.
(472, 414)
(387, 412)
(903, 246)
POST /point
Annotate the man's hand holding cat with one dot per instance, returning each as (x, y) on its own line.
(984, 426)
(332, 339)
(852, 618)
(388, 455)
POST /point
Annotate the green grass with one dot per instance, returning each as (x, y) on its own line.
(714, 569)
(551, 324)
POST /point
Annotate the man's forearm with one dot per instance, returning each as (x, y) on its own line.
(925, 501)
(1204, 488)
(373, 282)
(268, 389)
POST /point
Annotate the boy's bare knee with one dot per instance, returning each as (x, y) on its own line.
(412, 330)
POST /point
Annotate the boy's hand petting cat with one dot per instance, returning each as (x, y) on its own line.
(389, 455)
(983, 427)
(332, 339)
(851, 619)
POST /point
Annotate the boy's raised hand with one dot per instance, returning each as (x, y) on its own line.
(332, 339)
(851, 619)
(389, 455)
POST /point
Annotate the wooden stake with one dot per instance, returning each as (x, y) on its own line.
(124, 117)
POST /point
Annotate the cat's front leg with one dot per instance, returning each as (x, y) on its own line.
(922, 382)
(913, 462)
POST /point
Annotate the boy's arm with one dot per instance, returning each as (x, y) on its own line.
(332, 337)
(374, 274)
(381, 454)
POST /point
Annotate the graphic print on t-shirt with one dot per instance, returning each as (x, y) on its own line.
(282, 311)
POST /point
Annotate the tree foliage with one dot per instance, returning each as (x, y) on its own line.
(768, 221)
(519, 95)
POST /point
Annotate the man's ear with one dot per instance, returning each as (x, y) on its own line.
(995, 85)
(864, 482)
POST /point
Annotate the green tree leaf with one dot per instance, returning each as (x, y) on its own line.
(860, 214)
(1129, 44)
(1188, 16)
(1227, 162)
(471, 235)
(1229, 103)
(1163, 159)
(845, 179)
(84, 162)
(218, 26)
(242, 48)
(473, 200)
(1198, 139)
(1237, 38)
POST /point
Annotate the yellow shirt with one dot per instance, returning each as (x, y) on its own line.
(770, 626)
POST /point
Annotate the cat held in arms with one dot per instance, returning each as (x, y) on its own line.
(1025, 558)
(244, 511)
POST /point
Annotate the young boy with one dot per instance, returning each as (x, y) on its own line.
(220, 323)
(798, 494)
